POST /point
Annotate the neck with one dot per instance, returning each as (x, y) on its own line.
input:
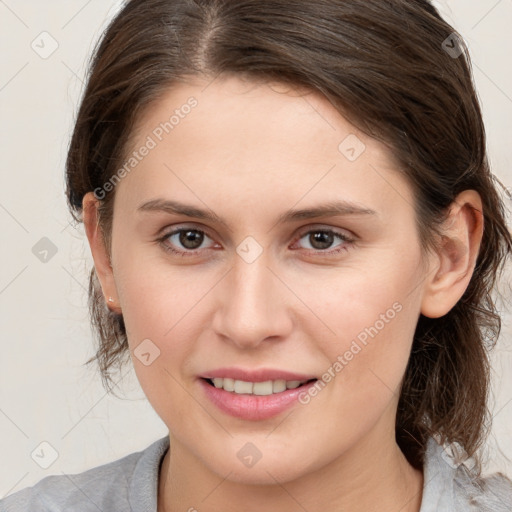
(372, 476)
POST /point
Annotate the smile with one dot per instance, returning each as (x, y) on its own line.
(253, 401)
(265, 388)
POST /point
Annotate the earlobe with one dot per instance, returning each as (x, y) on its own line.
(99, 251)
(453, 263)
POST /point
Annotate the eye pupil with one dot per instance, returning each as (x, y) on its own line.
(191, 239)
(323, 238)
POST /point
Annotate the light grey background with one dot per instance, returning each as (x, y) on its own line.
(46, 395)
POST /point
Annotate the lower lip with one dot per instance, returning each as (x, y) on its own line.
(253, 407)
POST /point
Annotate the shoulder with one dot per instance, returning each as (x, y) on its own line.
(110, 487)
(453, 486)
(484, 494)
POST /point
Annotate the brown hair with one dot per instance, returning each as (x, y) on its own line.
(398, 72)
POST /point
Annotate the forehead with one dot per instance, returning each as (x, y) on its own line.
(260, 140)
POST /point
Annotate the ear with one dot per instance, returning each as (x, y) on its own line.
(99, 251)
(453, 264)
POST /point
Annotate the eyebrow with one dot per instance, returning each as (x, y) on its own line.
(330, 209)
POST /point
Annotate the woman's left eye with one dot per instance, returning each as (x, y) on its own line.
(191, 240)
(320, 240)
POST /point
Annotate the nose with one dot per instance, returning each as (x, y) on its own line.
(255, 305)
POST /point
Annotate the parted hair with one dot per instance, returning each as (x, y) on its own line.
(397, 71)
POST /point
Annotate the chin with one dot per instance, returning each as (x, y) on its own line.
(267, 466)
(264, 475)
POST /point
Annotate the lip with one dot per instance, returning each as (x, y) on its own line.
(254, 407)
(260, 375)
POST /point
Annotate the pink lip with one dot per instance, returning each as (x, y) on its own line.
(254, 407)
(261, 375)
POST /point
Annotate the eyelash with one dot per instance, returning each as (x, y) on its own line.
(341, 236)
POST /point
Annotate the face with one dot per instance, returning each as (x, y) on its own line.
(261, 237)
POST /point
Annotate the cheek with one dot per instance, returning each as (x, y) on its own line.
(151, 293)
(374, 316)
(364, 363)
(162, 304)
(160, 314)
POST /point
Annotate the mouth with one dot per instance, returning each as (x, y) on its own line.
(265, 388)
(254, 393)
(254, 401)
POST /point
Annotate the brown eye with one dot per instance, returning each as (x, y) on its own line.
(191, 238)
(184, 241)
(322, 239)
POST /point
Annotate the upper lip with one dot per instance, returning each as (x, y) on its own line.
(259, 375)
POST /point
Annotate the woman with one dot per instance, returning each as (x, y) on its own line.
(295, 236)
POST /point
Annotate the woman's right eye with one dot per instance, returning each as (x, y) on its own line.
(184, 241)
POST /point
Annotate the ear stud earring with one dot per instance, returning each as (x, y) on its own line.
(110, 299)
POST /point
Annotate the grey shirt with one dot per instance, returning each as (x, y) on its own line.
(131, 484)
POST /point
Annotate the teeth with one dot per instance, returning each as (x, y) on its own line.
(228, 384)
(255, 388)
(242, 387)
(218, 382)
(278, 386)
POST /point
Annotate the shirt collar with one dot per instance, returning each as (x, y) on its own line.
(143, 492)
(439, 471)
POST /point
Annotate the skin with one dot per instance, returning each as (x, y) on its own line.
(250, 152)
